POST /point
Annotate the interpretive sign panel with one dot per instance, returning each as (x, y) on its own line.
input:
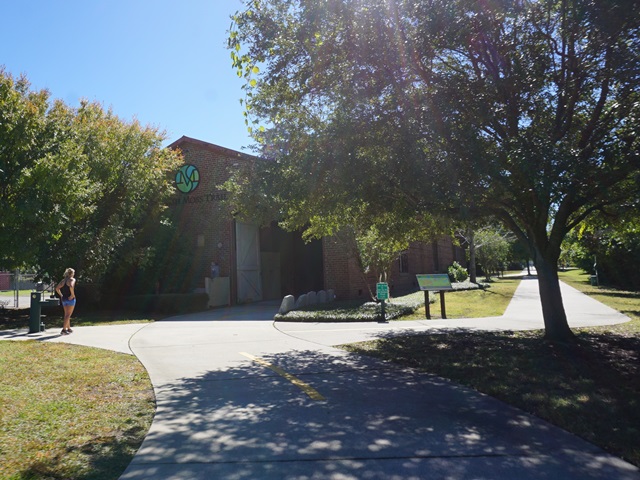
(434, 282)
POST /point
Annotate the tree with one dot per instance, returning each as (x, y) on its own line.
(383, 238)
(466, 232)
(80, 186)
(492, 249)
(613, 243)
(519, 255)
(488, 243)
(522, 110)
(259, 192)
(22, 127)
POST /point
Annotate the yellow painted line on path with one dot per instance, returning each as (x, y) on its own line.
(305, 387)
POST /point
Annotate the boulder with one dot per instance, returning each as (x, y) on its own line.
(288, 304)
(301, 301)
(322, 296)
(312, 298)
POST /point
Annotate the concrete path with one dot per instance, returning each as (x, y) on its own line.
(239, 397)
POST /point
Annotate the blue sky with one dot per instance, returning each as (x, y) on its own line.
(161, 61)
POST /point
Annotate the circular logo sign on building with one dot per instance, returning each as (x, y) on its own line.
(187, 178)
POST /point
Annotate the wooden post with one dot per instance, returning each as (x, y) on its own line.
(426, 304)
(442, 307)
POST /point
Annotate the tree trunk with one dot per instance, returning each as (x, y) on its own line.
(472, 256)
(555, 319)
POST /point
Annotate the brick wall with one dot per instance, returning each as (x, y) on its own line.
(5, 281)
(335, 257)
(206, 226)
(343, 274)
(207, 233)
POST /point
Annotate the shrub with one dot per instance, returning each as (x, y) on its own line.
(347, 312)
(457, 273)
(166, 303)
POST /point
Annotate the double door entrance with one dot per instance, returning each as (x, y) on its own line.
(272, 263)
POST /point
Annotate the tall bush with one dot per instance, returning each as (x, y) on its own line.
(457, 273)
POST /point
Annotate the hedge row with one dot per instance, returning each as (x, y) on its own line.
(170, 303)
(367, 312)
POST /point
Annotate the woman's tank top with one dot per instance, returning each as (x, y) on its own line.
(65, 290)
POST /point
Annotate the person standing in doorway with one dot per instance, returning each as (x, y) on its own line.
(215, 270)
(66, 290)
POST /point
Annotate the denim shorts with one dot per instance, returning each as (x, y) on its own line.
(68, 303)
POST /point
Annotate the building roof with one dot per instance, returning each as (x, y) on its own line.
(185, 141)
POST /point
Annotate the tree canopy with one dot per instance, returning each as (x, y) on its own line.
(78, 186)
(525, 110)
(609, 246)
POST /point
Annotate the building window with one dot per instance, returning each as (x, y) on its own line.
(403, 262)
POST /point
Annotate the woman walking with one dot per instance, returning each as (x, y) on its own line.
(66, 290)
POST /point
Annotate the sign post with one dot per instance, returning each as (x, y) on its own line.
(382, 293)
(438, 282)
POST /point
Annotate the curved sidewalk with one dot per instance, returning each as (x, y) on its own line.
(239, 397)
(524, 312)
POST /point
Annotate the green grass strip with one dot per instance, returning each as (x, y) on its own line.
(70, 412)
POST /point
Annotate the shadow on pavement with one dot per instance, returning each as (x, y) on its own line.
(248, 422)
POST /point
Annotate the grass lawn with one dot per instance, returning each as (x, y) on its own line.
(70, 412)
(625, 302)
(489, 302)
(460, 303)
(590, 388)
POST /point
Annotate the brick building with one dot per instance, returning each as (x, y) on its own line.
(268, 263)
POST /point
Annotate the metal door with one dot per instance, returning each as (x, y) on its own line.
(248, 262)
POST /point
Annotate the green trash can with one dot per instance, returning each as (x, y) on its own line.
(594, 280)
